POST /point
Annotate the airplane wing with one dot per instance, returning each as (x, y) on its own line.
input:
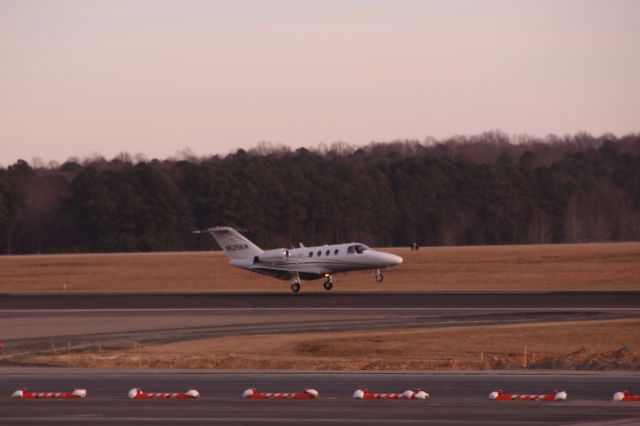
(286, 274)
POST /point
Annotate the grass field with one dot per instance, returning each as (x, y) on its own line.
(486, 268)
(592, 345)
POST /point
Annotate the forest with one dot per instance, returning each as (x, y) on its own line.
(467, 190)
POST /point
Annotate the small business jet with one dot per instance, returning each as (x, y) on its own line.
(303, 263)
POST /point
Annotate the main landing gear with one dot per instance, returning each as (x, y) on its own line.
(328, 282)
(295, 286)
(379, 276)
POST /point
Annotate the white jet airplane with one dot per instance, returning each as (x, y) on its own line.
(304, 263)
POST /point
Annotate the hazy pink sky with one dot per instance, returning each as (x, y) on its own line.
(155, 77)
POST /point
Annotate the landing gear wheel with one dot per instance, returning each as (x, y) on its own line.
(295, 287)
(328, 285)
(379, 278)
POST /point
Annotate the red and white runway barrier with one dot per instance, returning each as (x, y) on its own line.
(25, 394)
(625, 396)
(499, 395)
(254, 394)
(136, 393)
(409, 394)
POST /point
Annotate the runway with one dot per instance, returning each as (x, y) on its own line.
(359, 300)
(456, 398)
(30, 323)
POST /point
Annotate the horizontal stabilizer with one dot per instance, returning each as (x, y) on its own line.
(236, 245)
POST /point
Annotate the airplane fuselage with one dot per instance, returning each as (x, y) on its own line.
(303, 263)
(319, 261)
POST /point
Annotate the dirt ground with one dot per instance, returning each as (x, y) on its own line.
(587, 345)
(486, 268)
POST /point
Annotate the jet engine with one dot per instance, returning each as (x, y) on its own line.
(274, 256)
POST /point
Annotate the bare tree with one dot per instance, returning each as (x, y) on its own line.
(573, 221)
(539, 229)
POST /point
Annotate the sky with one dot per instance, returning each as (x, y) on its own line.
(89, 77)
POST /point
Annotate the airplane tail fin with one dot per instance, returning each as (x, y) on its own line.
(236, 245)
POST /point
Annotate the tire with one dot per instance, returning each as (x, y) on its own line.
(379, 278)
(295, 287)
(328, 285)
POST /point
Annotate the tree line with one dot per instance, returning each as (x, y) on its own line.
(483, 189)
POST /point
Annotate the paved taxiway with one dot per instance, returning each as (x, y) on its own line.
(456, 398)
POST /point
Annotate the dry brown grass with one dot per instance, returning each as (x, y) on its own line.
(487, 268)
(577, 343)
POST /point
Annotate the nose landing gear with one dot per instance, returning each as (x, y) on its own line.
(379, 276)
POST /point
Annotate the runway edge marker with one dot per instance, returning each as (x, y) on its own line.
(408, 394)
(625, 396)
(499, 395)
(252, 393)
(25, 394)
(137, 393)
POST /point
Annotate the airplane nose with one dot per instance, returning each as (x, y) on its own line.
(393, 260)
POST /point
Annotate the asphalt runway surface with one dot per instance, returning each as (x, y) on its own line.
(34, 323)
(567, 299)
(456, 398)
(30, 323)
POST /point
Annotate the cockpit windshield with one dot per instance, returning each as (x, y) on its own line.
(357, 248)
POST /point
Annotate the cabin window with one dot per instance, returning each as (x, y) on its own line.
(310, 254)
(319, 253)
(327, 253)
(336, 251)
(351, 250)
